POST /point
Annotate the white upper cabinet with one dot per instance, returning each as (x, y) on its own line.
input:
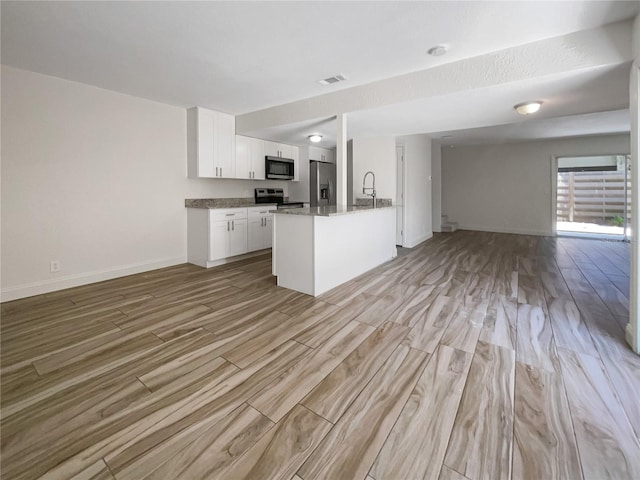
(211, 144)
(272, 149)
(249, 158)
(322, 154)
(283, 150)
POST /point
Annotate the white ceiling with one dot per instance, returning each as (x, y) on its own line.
(241, 57)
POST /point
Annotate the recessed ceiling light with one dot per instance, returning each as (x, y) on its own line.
(528, 108)
(315, 138)
(438, 50)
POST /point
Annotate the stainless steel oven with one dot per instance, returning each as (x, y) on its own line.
(274, 195)
(279, 168)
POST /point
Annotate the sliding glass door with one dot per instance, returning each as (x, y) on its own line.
(593, 196)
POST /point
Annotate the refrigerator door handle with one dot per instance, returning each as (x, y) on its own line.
(330, 192)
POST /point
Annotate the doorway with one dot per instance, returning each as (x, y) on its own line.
(399, 195)
(593, 197)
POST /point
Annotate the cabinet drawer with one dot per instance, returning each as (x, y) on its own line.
(228, 214)
(260, 211)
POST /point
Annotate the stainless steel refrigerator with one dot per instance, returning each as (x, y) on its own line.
(322, 179)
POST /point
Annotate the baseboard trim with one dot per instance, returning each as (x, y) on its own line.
(417, 241)
(244, 256)
(55, 284)
(515, 231)
(629, 337)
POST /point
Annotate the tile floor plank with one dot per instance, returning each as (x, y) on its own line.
(279, 453)
(569, 330)
(535, 338)
(418, 441)
(331, 397)
(276, 399)
(606, 442)
(351, 446)
(480, 446)
(544, 443)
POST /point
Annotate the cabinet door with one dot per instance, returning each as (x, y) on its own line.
(254, 240)
(226, 144)
(330, 156)
(315, 153)
(219, 239)
(257, 158)
(205, 146)
(267, 232)
(271, 149)
(243, 157)
(286, 150)
(238, 237)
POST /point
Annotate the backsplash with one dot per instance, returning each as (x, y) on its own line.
(367, 202)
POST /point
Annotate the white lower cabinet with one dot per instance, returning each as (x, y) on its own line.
(215, 235)
(260, 228)
(228, 233)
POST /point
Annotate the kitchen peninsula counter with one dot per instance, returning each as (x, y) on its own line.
(211, 203)
(329, 211)
(316, 249)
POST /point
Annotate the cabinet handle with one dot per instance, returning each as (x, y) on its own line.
(220, 171)
(227, 226)
(233, 225)
(229, 214)
(263, 222)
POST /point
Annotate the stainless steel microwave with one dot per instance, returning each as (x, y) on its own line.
(279, 168)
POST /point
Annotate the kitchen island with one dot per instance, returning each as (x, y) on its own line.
(316, 249)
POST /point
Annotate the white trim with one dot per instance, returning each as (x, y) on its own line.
(403, 147)
(554, 195)
(517, 231)
(55, 284)
(417, 241)
(236, 258)
(628, 334)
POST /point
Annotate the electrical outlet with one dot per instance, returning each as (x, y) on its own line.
(54, 266)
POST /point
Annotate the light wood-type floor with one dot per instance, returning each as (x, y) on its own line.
(474, 356)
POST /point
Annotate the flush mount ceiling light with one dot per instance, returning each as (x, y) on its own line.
(438, 50)
(527, 108)
(315, 138)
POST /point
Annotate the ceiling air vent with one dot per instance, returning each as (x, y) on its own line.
(332, 80)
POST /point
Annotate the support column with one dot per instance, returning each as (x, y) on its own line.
(341, 160)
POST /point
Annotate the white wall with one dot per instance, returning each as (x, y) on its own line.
(94, 179)
(507, 188)
(377, 154)
(417, 189)
(436, 187)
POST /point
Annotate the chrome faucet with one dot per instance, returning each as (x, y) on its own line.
(372, 188)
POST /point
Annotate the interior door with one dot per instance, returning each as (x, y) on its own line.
(400, 196)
